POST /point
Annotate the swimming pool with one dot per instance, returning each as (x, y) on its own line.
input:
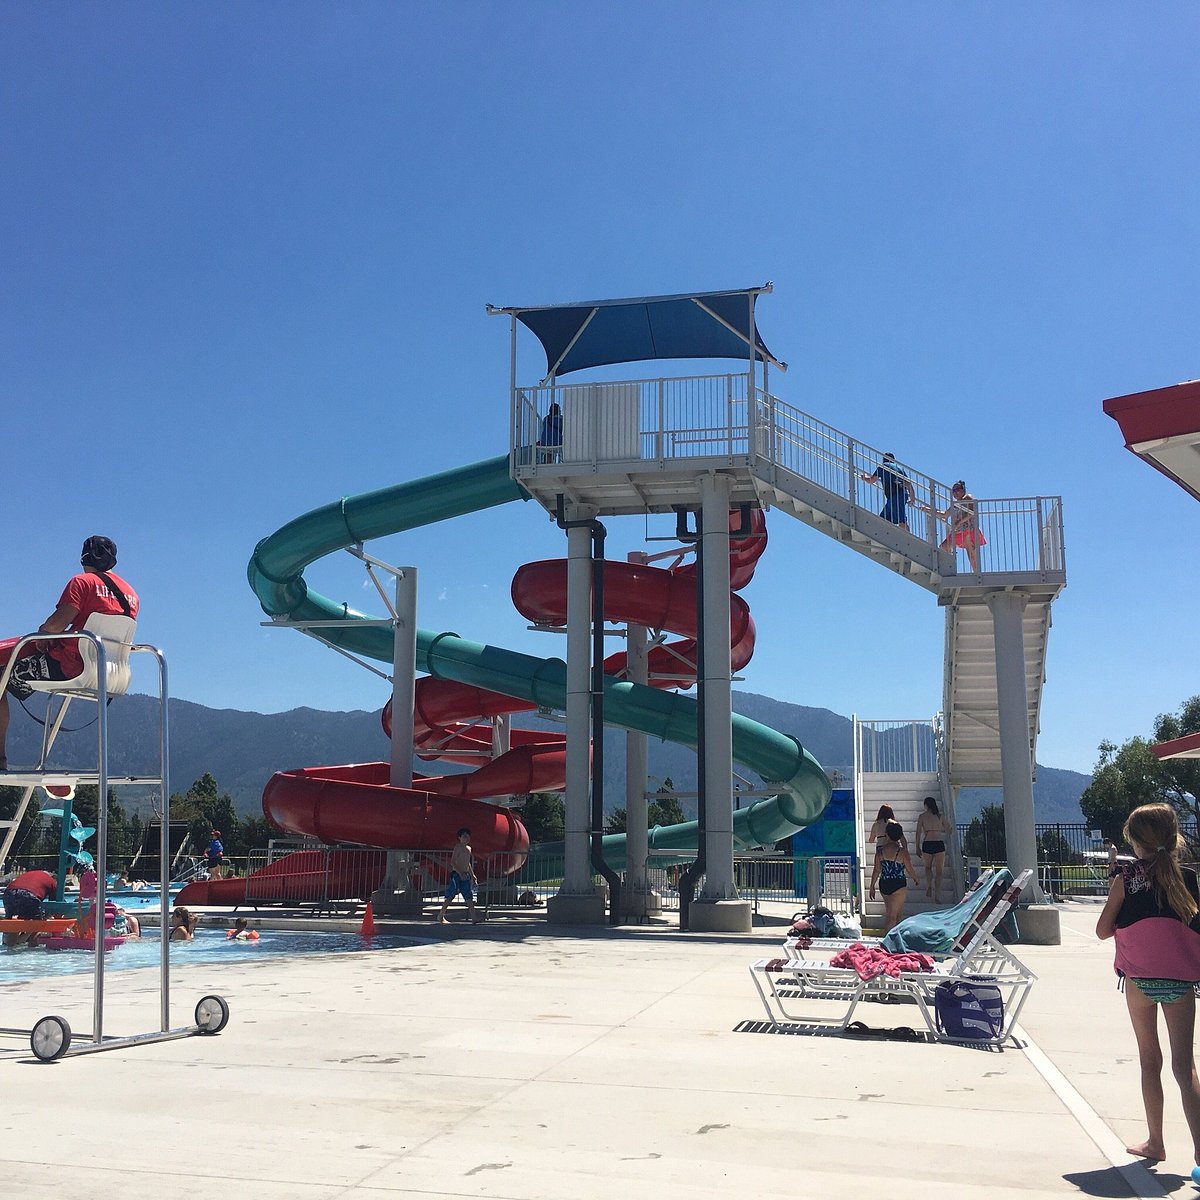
(209, 946)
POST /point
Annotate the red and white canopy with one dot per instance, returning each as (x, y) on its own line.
(1187, 746)
(1163, 427)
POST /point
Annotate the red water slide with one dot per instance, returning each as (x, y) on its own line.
(452, 722)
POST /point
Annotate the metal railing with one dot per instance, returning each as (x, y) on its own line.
(655, 419)
(1071, 861)
(909, 747)
(328, 876)
(671, 419)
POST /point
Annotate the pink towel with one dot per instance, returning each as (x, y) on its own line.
(870, 961)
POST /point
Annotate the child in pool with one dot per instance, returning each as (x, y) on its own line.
(1153, 912)
(241, 932)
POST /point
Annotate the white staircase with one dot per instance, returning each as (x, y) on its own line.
(905, 792)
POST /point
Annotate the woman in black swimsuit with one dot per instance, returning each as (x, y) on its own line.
(893, 868)
(931, 842)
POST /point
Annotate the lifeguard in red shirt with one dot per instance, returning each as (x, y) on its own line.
(94, 590)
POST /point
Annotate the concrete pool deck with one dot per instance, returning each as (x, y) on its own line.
(516, 1059)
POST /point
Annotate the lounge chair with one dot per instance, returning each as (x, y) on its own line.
(783, 983)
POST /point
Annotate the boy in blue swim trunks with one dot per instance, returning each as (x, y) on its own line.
(462, 877)
(898, 490)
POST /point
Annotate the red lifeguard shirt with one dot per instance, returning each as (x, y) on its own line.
(38, 883)
(89, 594)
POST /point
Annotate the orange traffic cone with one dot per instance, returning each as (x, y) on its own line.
(368, 922)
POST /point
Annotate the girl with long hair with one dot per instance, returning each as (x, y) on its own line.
(1153, 912)
(932, 837)
(878, 835)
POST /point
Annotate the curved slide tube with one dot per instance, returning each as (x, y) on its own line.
(275, 573)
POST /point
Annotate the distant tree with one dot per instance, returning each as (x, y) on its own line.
(1054, 848)
(28, 840)
(985, 835)
(544, 815)
(1122, 779)
(1129, 775)
(252, 833)
(205, 807)
(1181, 775)
(663, 809)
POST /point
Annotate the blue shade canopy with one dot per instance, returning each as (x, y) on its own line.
(598, 333)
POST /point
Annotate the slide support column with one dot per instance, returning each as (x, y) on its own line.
(578, 902)
(394, 894)
(717, 908)
(1016, 764)
(639, 898)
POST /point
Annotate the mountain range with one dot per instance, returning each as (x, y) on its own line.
(242, 749)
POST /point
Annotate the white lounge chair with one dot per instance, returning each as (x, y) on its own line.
(782, 984)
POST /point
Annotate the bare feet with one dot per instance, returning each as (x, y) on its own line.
(1155, 1151)
(441, 919)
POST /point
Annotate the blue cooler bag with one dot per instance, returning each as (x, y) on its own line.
(970, 1009)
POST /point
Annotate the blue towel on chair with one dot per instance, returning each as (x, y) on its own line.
(936, 932)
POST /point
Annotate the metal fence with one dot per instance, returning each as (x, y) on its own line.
(330, 877)
(1071, 860)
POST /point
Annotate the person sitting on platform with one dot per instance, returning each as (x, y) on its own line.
(94, 590)
(23, 899)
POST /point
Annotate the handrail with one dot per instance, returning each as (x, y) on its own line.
(728, 417)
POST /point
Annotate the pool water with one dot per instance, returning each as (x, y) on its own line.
(22, 963)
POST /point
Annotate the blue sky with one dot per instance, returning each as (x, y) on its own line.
(247, 249)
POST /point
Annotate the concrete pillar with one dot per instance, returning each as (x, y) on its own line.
(1016, 764)
(717, 908)
(395, 894)
(578, 901)
(637, 897)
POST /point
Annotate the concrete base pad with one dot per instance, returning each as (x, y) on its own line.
(720, 916)
(397, 904)
(576, 909)
(638, 905)
(1040, 925)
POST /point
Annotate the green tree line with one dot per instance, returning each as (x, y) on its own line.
(203, 807)
(1123, 778)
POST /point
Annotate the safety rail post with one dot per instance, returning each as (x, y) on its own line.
(662, 419)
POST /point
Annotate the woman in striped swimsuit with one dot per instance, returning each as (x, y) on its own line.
(1153, 911)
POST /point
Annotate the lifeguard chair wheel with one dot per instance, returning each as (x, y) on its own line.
(50, 1038)
(212, 1014)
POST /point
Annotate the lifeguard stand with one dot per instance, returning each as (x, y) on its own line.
(105, 645)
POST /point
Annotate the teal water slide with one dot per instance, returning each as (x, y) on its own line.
(276, 575)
